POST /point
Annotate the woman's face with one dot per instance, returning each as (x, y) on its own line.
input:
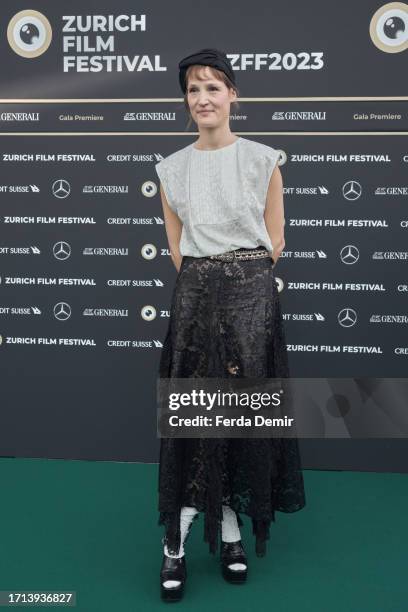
(209, 99)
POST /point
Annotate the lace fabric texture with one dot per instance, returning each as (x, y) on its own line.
(225, 321)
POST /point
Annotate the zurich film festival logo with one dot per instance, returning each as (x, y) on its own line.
(29, 33)
(389, 27)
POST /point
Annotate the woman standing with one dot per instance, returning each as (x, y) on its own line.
(222, 199)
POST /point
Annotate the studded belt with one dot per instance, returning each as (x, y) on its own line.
(241, 255)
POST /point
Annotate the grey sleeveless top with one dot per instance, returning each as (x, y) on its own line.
(219, 195)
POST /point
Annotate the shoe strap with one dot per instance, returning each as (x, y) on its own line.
(233, 552)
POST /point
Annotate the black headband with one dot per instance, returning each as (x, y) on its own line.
(205, 57)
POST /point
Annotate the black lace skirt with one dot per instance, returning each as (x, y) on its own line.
(225, 321)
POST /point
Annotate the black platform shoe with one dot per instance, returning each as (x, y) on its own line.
(173, 569)
(233, 552)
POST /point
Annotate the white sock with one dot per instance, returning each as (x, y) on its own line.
(187, 514)
(229, 525)
(230, 532)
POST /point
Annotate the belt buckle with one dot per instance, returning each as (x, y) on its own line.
(229, 256)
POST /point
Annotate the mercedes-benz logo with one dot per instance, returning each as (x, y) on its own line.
(347, 317)
(61, 250)
(62, 311)
(61, 188)
(352, 190)
(349, 254)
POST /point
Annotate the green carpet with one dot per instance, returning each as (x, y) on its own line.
(92, 527)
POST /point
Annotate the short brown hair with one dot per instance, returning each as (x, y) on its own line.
(193, 71)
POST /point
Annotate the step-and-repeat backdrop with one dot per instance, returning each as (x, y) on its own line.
(89, 102)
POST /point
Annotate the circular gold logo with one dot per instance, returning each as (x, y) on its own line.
(29, 33)
(389, 27)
